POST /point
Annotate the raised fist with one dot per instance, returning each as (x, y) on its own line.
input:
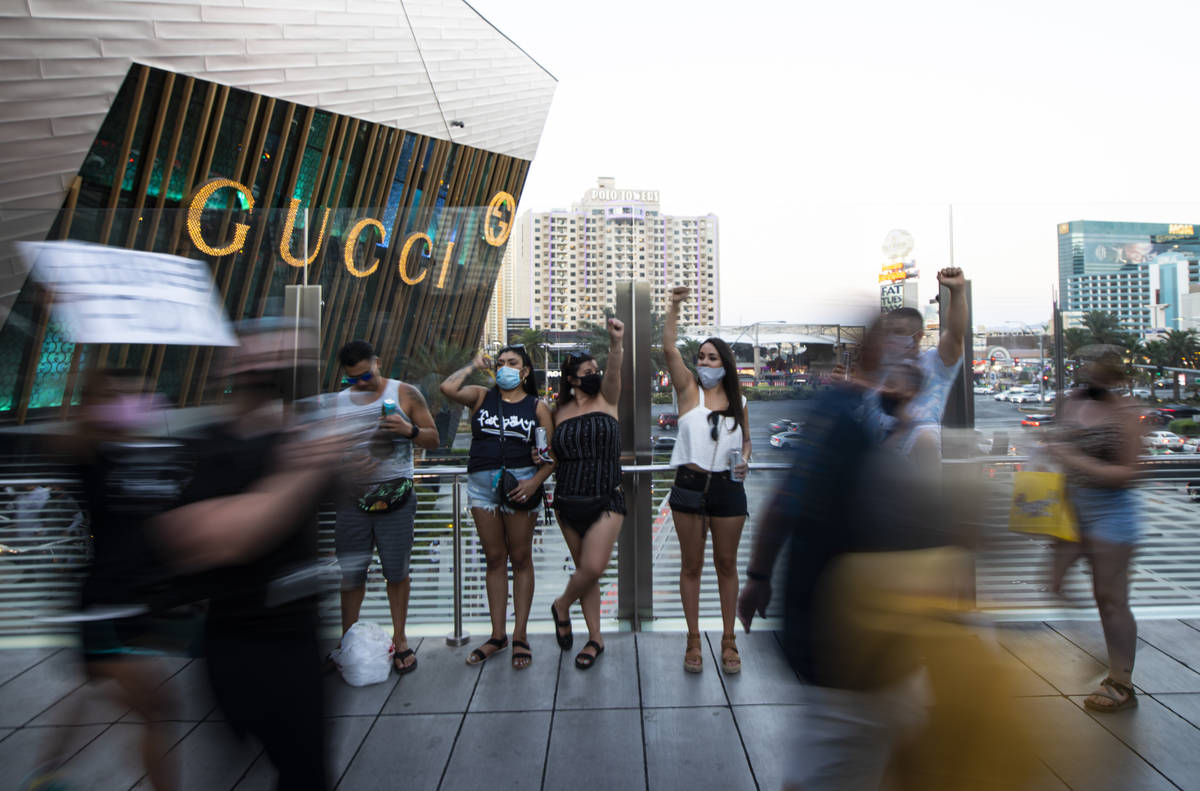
(616, 329)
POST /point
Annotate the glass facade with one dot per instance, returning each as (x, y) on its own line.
(403, 232)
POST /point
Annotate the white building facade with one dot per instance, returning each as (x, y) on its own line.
(571, 260)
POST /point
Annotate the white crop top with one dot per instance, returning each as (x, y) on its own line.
(695, 445)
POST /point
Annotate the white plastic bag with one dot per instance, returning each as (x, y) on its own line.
(365, 656)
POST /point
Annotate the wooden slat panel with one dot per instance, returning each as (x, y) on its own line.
(114, 193)
(149, 157)
(189, 180)
(267, 264)
(185, 105)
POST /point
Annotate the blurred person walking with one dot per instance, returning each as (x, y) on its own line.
(708, 491)
(504, 423)
(377, 504)
(248, 529)
(1098, 446)
(127, 479)
(588, 499)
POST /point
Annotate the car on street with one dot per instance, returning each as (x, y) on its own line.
(983, 390)
(784, 424)
(668, 421)
(1178, 412)
(1140, 392)
(660, 443)
(1026, 397)
(1163, 440)
(1004, 395)
(1049, 397)
(1190, 444)
(786, 439)
(1037, 421)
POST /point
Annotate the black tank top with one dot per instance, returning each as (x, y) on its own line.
(520, 421)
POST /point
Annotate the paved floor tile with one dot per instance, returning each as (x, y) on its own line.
(501, 688)
(343, 700)
(694, 748)
(1154, 671)
(768, 732)
(1186, 706)
(409, 750)
(1160, 736)
(596, 748)
(113, 760)
(766, 677)
(665, 684)
(1084, 754)
(1069, 668)
(190, 694)
(39, 688)
(24, 749)
(211, 758)
(505, 749)
(442, 683)
(14, 662)
(1174, 638)
(612, 682)
(344, 734)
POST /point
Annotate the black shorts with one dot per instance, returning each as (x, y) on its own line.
(725, 497)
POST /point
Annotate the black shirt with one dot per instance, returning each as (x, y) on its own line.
(520, 423)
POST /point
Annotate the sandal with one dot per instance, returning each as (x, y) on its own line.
(584, 661)
(693, 657)
(398, 661)
(565, 641)
(731, 661)
(478, 656)
(1125, 699)
(521, 659)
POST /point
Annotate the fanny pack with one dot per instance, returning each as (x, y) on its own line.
(579, 509)
(505, 481)
(379, 498)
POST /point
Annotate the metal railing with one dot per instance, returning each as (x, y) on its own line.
(44, 543)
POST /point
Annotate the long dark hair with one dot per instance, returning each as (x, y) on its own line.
(570, 367)
(730, 383)
(530, 383)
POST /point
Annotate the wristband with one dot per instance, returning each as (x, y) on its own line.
(416, 430)
(756, 577)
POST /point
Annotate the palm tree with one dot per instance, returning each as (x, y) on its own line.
(535, 342)
(1157, 354)
(1182, 347)
(1075, 339)
(426, 369)
(1134, 352)
(1103, 326)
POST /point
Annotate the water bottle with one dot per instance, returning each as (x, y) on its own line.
(381, 441)
(735, 459)
(539, 436)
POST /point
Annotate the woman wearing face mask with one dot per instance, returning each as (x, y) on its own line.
(504, 419)
(587, 494)
(1098, 446)
(708, 492)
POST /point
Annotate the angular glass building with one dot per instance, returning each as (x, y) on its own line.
(376, 148)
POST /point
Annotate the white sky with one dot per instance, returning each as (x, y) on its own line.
(811, 129)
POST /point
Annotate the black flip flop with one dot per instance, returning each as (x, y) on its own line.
(527, 653)
(584, 661)
(565, 641)
(478, 657)
(402, 668)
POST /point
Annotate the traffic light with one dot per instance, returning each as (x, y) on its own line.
(993, 359)
(1016, 361)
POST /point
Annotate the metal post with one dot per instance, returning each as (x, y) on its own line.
(635, 564)
(1060, 369)
(458, 636)
(960, 406)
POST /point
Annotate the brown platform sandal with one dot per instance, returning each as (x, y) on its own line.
(1119, 696)
(731, 661)
(693, 658)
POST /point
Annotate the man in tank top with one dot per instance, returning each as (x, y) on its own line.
(376, 506)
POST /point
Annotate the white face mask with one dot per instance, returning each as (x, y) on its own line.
(710, 377)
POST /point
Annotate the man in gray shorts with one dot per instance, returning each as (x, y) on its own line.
(377, 504)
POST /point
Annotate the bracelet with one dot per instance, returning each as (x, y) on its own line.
(416, 430)
(757, 577)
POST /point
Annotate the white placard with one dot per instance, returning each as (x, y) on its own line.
(107, 294)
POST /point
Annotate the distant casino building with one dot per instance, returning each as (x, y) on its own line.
(570, 260)
(376, 148)
(1141, 272)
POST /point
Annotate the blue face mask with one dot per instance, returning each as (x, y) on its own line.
(508, 378)
(709, 377)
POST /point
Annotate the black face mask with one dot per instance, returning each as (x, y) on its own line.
(1095, 392)
(590, 384)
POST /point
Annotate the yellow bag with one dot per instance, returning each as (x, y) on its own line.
(1040, 505)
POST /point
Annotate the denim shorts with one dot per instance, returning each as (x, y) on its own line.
(481, 487)
(1106, 514)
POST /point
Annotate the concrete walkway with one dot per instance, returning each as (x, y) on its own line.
(635, 720)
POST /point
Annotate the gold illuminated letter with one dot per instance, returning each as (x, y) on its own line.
(352, 239)
(196, 209)
(289, 226)
(445, 265)
(408, 243)
(498, 236)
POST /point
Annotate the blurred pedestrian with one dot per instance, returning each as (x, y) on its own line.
(588, 499)
(504, 423)
(711, 458)
(1098, 445)
(247, 529)
(377, 504)
(127, 479)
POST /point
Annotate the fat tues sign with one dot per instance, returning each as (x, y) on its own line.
(897, 295)
(497, 225)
